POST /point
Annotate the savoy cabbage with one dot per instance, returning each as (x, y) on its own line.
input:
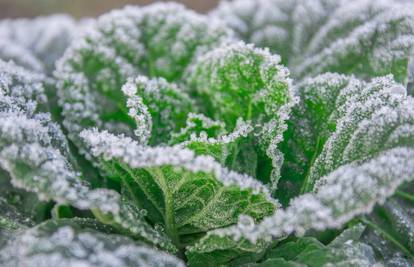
(265, 133)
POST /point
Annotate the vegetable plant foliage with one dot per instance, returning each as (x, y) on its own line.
(265, 133)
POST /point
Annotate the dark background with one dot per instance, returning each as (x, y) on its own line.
(82, 8)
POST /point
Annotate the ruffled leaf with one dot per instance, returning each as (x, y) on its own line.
(243, 82)
(345, 250)
(365, 38)
(186, 194)
(159, 108)
(36, 43)
(159, 40)
(330, 120)
(70, 243)
(35, 155)
(367, 154)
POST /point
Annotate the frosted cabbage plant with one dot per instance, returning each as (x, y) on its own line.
(156, 136)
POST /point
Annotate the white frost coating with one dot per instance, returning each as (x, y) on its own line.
(10, 51)
(109, 146)
(364, 112)
(155, 99)
(125, 43)
(29, 153)
(349, 191)
(138, 111)
(35, 153)
(44, 39)
(269, 106)
(67, 244)
(242, 129)
(21, 84)
(323, 53)
(315, 36)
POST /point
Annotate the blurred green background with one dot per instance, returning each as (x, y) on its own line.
(82, 8)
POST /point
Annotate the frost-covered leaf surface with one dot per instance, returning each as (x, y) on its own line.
(243, 82)
(35, 154)
(186, 194)
(366, 38)
(366, 156)
(36, 43)
(159, 40)
(67, 243)
(163, 137)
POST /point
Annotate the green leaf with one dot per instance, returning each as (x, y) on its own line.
(159, 40)
(364, 38)
(36, 43)
(329, 126)
(35, 165)
(73, 243)
(345, 250)
(187, 194)
(240, 81)
(23, 85)
(391, 227)
(35, 155)
(233, 150)
(367, 155)
(11, 220)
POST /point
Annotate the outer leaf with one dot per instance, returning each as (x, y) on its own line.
(392, 227)
(187, 194)
(367, 156)
(36, 43)
(33, 163)
(330, 120)
(345, 250)
(10, 51)
(240, 81)
(35, 154)
(22, 85)
(349, 191)
(367, 38)
(354, 188)
(159, 40)
(66, 243)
